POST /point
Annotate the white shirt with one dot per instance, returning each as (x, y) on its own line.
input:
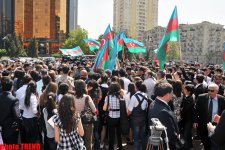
(126, 83)
(127, 99)
(150, 84)
(31, 111)
(162, 101)
(134, 102)
(20, 94)
(49, 128)
(39, 87)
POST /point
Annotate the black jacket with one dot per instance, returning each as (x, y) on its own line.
(218, 137)
(160, 110)
(200, 90)
(10, 118)
(187, 109)
(201, 113)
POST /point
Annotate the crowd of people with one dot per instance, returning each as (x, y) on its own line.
(64, 104)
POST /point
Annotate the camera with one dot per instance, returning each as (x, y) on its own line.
(155, 140)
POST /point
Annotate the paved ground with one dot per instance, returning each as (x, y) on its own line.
(196, 146)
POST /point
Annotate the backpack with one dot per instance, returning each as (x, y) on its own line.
(86, 115)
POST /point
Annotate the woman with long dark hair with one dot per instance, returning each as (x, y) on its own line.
(80, 98)
(187, 113)
(131, 91)
(112, 104)
(62, 90)
(102, 114)
(95, 93)
(68, 126)
(30, 113)
(48, 112)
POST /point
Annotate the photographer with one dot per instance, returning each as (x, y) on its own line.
(161, 110)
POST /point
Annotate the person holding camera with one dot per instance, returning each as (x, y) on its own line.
(161, 110)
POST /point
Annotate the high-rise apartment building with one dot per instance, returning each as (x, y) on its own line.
(47, 20)
(134, 17)
(6, 19)
(201, 42)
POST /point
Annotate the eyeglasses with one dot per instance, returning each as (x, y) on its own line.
(210, 90)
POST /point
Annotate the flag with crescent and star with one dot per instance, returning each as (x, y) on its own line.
(72, 52)
(134, 46)
(171, 34)
(105, 51)
(92, 44)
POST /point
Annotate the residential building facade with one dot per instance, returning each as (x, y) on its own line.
(201, 42)
(134, 17)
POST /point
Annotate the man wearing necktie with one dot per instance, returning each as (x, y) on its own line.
(161, 110)
(207, 106)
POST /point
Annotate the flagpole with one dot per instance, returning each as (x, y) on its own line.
(180, 45)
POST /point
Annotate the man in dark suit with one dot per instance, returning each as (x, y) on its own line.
(200, 88)
(218, 136)
(10, 118)
(161, 110)
(218, 80)
(207, 106)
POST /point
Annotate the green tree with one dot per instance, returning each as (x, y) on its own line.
(32, 48)
(76, 38)
(173, 51)
(3, 52)
(13, 45)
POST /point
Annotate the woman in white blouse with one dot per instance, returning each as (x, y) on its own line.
(30, 112)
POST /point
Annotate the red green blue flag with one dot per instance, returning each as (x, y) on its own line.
(105, 51)
(118, 46)
(92, 44)
(134, 46)
(72, 52)
(171, 34)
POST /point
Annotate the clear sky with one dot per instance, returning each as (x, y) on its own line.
(95, 15)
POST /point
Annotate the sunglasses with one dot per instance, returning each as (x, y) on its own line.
(210, 90)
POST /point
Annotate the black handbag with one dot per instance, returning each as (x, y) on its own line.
(87, 117)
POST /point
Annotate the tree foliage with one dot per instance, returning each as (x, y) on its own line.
(76, 38)
(13, 45)
(3, 52)
(173, 51)
(32, 48)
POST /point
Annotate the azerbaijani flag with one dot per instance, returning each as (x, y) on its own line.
(105, 50)
(72, 52)
(134, 46)
(118, 46)
(171, 34)
(118, 41)
(155, 56)
(92, 44)
(223, 56)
